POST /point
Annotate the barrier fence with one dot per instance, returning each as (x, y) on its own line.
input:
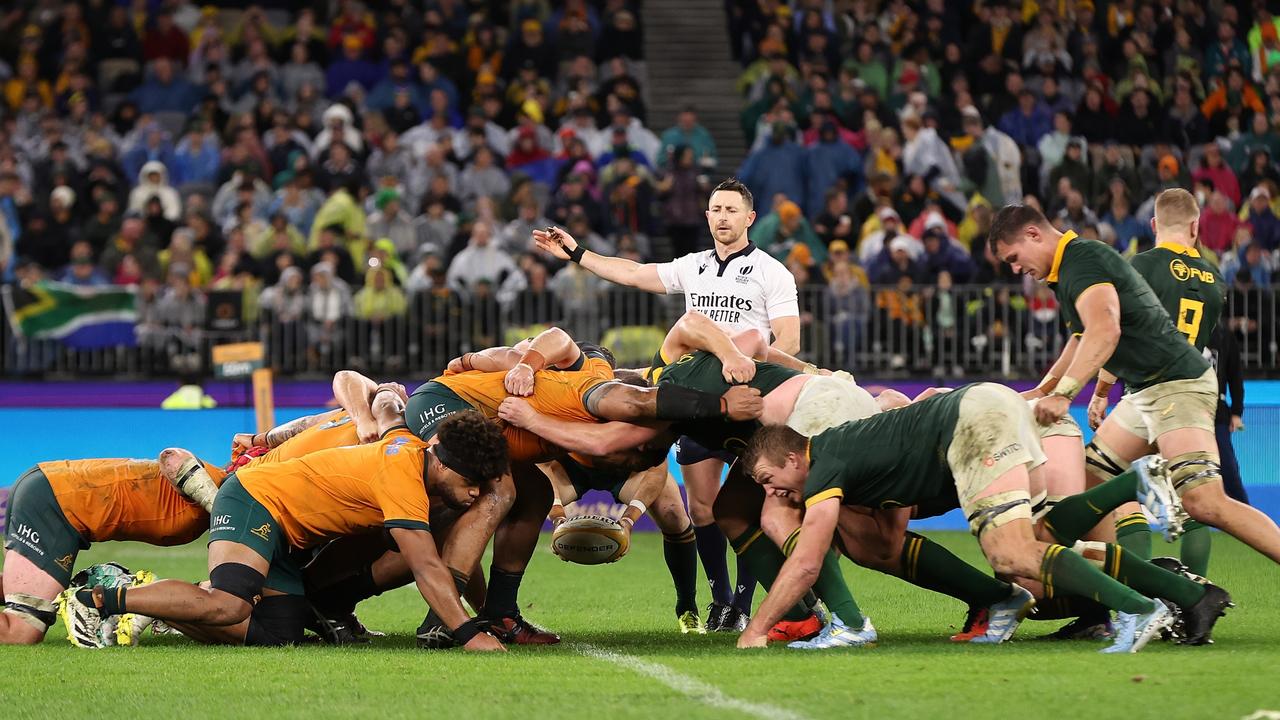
(884, 331)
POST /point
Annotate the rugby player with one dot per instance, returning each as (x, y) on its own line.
(56, 509)
(262, 512)
(1171, 387)
(980, 446)
(738, 288)
(810, 404)
(583, 390)
(1193, 293)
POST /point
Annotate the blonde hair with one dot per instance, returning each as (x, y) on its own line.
(1175, 210)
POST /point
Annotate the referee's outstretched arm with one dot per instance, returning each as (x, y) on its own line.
(618, 270)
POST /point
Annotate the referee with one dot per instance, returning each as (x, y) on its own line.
(739, 288)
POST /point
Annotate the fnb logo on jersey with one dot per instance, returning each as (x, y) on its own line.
(1182, 272)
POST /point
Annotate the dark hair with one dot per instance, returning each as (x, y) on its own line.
(599, 351)
(631, 377)
(1009, 221)
(733, 184)
(476, 448)
(771, 443)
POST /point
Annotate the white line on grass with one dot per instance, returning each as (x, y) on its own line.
(691, 687)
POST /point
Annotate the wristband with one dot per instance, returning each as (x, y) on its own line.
(1047, 385)
(1067, 387)
(639, 506)
(1102, 389)
(535, 360)
(467, 630)
(575, 255)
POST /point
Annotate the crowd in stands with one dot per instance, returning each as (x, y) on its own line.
(883, 134)
(347, 171)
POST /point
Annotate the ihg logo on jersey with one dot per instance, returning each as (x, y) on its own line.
(1182, 272)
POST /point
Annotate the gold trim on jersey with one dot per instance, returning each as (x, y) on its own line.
(824, 495)
(1067, 237)
(1179, 249)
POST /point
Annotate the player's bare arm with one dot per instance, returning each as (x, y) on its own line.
(695, 331)
(278, 434)
(1101, 396)
(628, 403)
(552, 348)
(388, 407)
(437, 588)
(587, 438)
(1059, 368)
(354, 392)
(562, 245)
(1099, 309)
(797, 574)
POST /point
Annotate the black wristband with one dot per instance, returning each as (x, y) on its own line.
(467, 630)
(575, 255)
(682, 403)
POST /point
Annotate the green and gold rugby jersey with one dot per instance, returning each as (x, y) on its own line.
(703, 371)
(1190, 288)
(893, 459)
(1150, 350)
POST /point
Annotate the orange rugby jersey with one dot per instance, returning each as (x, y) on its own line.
(122, 499)
(335, 430)
(345, 490)
(557, 393)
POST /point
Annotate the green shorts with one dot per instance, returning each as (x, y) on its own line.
(587, 478)
(38, 530)
(429, 405)
(239, 518)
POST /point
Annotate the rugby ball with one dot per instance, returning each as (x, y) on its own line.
(590, 540)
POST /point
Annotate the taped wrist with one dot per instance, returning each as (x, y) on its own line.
(34, 611)
(467, 630)
(1047, 385)
(238, 579)
(107, 601)
(575, 255)
(681, 403)
(1067, 387)
(1102, 389)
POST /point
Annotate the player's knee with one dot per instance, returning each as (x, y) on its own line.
(701, 513)
(21, 624)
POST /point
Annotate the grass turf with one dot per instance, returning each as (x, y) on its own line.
(626, 609)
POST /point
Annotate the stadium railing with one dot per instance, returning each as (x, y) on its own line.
(885, 331)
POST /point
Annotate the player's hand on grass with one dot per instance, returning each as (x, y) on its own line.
(1051, 409)
(555, 241)
(484, 642)
(748, 640)
(517, 412)
(742, 403)
(519, 380)
(739, 369)
(1097, 411)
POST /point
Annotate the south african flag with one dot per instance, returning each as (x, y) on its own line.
(80, 317)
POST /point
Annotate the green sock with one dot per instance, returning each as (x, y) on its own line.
(1151, 580)
(830, 586)
(927, 564)
(1074, 516)
(1134, 535)
(1197, 541)
(1073, 575)
(765, 560)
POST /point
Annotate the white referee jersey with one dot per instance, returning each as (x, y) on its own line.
(745, 291)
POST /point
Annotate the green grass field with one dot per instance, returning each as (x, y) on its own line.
(622, 657)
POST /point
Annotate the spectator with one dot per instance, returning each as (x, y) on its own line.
(945, 314)
(783, 229)
(1248, 259)
(392, 222)
(895, 261)
(688, 133)
(299, 71)
(1245, 148)
(81, 271)
(165, 91)
(338, 127)
(1002, 154)
(830, 160)
(1218, 224)
(536, 304)
(777, 168)
(1075, 215)
(482, 178)
(1095, 118)
(180, 314)
(1213, 168)
(834, 222)
(1131, 235)
(1228, 53)
(330, 246)
(1232, 96)
(351, 69)
(182, 253)
(874, 243)
(941, 255)
(1028, 122)
(165, 39)
(329, 305)
(104, 224)
(1075, 169)
(849, 301)
(153, 181)
(925, 154)
(197, 157)
(342, 210)
(1262, 220)
(481, 260)
(516, 236)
